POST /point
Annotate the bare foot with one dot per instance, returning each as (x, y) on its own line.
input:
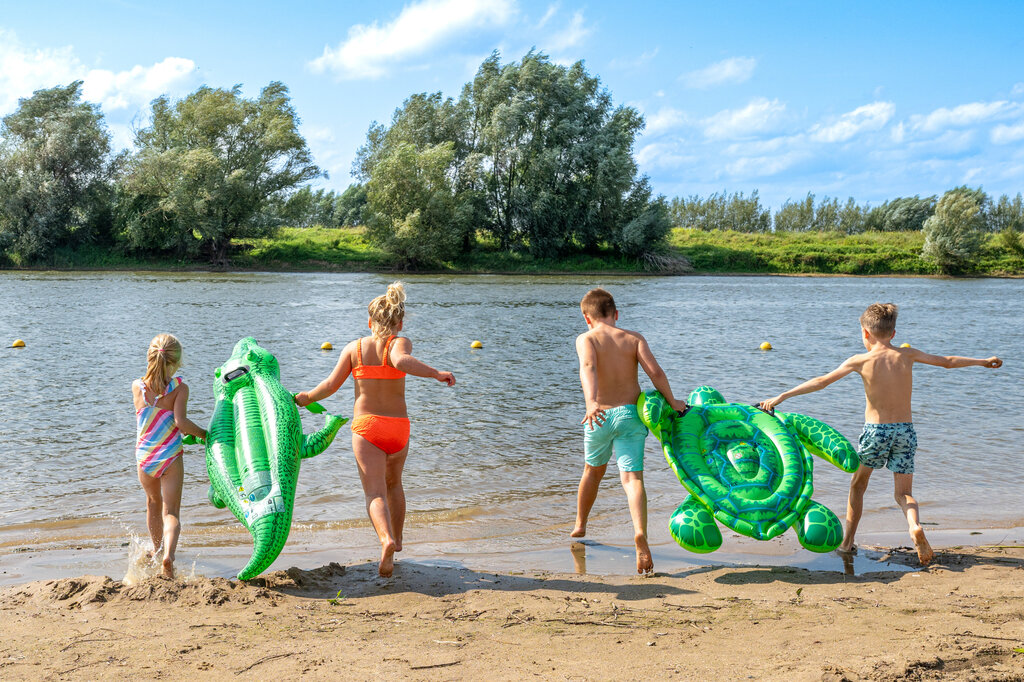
(398, 545)
(579, 531)
(168, 565)
(847, 548)
(644, 560)
(387, 560)
(925, 553)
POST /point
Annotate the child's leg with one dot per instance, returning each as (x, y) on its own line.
(585, 496)
(396, 494)
(154, 509)
(855, 505)
(170, 490)
(903, 484)
(372, 462)
(633, 483)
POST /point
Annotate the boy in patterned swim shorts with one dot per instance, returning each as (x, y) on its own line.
(608, 372)
(888, 439)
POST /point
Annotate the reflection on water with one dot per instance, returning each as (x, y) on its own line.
(495, 461)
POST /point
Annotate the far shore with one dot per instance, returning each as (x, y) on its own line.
(958, 619)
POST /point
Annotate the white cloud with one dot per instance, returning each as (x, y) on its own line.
(1005, 134)
(370, 51)
(664, 119)
(732, 70)
(635, 62)
(571, 36)
(758, 116)
(663, 155)
(138, 85)
(1017, 90)
(24, 70)
(872, 116)
(961, 116)
(552, 10)
(761, 166)
(899, 132)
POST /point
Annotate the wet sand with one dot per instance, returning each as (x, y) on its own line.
(961, 618)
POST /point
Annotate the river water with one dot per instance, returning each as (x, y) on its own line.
(495, 461)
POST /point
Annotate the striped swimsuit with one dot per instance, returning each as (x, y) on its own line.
(159, 440)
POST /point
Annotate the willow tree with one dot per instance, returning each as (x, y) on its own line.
(55, 171)
(209, 167)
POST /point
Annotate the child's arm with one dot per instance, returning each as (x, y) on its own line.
(332, 383)
(588, 380)
(181, 420)
(645, 357)
(811, 385)
(401, 360)
(954, 361)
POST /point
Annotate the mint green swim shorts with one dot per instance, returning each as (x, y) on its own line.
(622, 433)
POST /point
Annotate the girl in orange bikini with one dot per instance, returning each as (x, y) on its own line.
(380, 423)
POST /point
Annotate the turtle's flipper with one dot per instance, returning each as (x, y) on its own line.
(819, 529)
(822, 440)
(694, 527)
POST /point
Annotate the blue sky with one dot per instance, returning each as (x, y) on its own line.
(868, 99)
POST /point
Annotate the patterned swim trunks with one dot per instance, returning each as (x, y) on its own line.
(891, 446)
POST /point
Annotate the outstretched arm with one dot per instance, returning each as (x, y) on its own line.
(588, 380)
(181, 420)
(645, 357)
(954, 361)
(332, 383)
(401, 360)
(811, 385)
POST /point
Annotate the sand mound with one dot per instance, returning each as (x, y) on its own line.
(94, 591)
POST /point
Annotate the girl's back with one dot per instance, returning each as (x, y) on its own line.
(379, 387)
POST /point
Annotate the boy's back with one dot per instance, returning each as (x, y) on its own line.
(613, 352)
(888, 383)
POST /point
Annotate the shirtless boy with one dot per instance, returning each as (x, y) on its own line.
(888, 439)
(608, 372)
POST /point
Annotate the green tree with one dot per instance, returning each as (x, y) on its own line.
(796, 216)
(721, 212)
(350, 207)
(414, 212)
(55, 173)
(209, 168)
(852, 217)
(954, 233)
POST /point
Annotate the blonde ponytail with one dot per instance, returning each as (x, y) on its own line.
(387, 311)
(162, 360)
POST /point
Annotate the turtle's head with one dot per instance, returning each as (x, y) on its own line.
(744, 457)
(705, 395)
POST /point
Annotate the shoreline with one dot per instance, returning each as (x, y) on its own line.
(960, 618)
(191, 268)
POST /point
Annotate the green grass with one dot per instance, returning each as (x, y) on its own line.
(726, 252)
(871, 253)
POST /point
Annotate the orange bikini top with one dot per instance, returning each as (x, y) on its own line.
(381, 371)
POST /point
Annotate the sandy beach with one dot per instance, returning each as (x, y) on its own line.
(961, 618)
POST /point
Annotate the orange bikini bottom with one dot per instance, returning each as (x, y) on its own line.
(390, 434)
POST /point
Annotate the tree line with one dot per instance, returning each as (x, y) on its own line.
(532, 157)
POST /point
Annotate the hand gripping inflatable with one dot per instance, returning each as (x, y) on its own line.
(747, 469)
(253, 448)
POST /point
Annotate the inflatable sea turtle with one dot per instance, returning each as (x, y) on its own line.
(747, 469)
(254, 446)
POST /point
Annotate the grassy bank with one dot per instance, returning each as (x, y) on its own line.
(725, 252)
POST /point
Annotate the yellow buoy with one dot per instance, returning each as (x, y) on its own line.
(904, 345)
(476, 344)
(766, 346)
(326, 345)
(18, 343)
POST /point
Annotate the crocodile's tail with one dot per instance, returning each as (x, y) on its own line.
(269, 534)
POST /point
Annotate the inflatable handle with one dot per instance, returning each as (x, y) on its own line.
(192, 440)
(315, 408)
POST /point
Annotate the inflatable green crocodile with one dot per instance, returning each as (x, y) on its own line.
(253, 448)
(749, 470)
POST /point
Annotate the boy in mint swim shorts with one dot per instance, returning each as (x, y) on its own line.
(609, 358)
(888, 439)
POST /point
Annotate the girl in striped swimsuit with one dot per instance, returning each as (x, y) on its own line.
(380, 423)
(160, 401)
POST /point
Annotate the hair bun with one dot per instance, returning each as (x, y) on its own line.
(396, 293)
